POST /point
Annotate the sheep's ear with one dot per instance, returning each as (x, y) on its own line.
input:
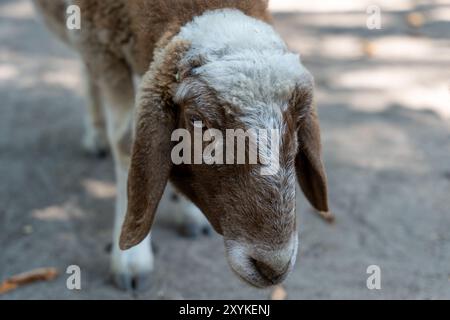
(151, 162)
(310, 169)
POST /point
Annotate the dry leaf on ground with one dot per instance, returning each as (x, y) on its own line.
(278, 293)
(415, 20)
(43, 274)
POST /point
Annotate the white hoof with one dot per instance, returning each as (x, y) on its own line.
(95, 142)
(132, 269)
(193, 223)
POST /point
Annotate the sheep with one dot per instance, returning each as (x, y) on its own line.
(219, 62)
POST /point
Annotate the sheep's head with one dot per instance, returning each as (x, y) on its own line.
(193, 117)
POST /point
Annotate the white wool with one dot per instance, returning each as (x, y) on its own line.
(246, 62)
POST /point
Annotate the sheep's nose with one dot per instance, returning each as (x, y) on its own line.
(262, 267)
(275, 272)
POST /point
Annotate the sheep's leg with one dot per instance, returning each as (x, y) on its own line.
(131, 268)
(95, 140)
(183, 214)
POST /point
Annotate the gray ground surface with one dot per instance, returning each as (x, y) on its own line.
(384, 99)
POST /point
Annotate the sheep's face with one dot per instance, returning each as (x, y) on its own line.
(178, 137)
(251, 203)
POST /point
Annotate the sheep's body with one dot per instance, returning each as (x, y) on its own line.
(131, 30)
(224, 55)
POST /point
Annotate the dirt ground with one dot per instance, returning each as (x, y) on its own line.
(385, 109)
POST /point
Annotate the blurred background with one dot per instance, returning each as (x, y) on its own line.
(384, 104)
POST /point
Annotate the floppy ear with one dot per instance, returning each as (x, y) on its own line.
(310, 169)
(151, 162)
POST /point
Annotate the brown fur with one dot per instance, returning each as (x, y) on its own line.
(152, 146)
(131, 30)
